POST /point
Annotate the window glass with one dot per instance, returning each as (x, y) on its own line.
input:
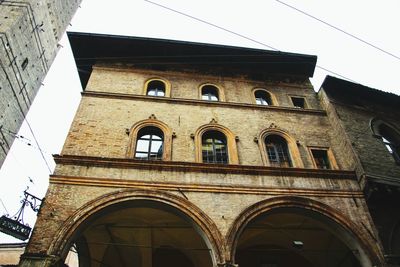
(391, 141)
(298, 102)
(149, 145)
(321, 158)
(209, 92)
(214, 148)
(262, 98)
(277, 151)
(156, 88)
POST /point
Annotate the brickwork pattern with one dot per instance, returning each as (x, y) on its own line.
(114, 101)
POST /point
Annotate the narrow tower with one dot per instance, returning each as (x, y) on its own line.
(29, 36)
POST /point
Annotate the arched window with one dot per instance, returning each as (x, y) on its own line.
(391, 140)
(214, 147)
(210, 93)
(262, 98)
(155, 88)
(149, 144)
(277, 151)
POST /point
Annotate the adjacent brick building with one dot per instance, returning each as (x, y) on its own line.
(366, 123)
(189, 154)
(29, 35)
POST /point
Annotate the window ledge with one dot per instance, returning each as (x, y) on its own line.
(200, 167)
(185, 101)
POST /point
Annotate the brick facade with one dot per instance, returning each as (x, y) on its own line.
(96, 173)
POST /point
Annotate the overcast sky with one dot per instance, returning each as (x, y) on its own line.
(265, 24)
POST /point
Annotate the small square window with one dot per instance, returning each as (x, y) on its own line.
(298, 102)
(321, 159)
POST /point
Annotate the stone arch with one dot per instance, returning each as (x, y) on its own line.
(291, 142)
(152, 121)
(368, 252)
(230, 138)
(166, 83)
(200, 221)
(271, 95)
(376, 122)
(388, 134)
(220, 91)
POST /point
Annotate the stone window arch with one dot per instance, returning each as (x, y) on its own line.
(389, 136)
(220, 142)
(149, 144)
(214, 147)
(211, 92)
(157, 87)
(150, 139)
(278, 149)
(263, 97)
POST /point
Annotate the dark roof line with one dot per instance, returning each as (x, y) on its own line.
(357, 94)
(162, 54)
(181, 42)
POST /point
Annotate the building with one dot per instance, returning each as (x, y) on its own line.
(367, 126)
(10, 253)
(29, 35)
(190, 154)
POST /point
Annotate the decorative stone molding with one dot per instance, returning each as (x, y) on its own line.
(166, 83)
(271, 95)
(221, 93)
(230, 139)
(291, 142)
(152, 121)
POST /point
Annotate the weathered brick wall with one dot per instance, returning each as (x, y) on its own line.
(186, 85)
(100, 125)
(222, 207)
(353, 127)
(99, 133)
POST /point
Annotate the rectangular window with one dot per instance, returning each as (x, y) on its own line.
(321, 158)
(298, 102)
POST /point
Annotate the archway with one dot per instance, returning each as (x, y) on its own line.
(140, 231)
(291, 237)
(294, 231)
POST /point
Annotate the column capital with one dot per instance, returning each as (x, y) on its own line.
(227, 264)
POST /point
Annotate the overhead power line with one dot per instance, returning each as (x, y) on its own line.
(339, 29)
(240, 35)
(2, 203)
(212, 24)
(37, 143)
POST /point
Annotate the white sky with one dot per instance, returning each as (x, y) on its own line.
(266, 21)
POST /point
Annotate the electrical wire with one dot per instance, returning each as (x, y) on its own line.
(11, 153)
(339, 29)
(24, 140)
(213, 25)
(37, 143)
(29, 143)
(240, 35)
(2, 203)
